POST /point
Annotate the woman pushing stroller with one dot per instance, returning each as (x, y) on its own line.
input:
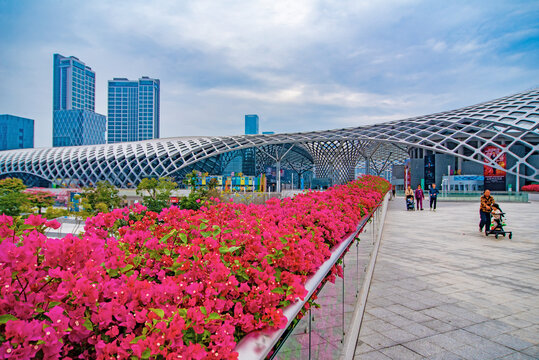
(409, 194)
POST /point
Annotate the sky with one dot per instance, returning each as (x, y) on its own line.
(300, 65)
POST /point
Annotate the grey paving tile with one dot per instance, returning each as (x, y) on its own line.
(399, 335)
(445, 341)
(379, 325)
(362, 348)
(532, 351)
(377, 341)
(417, 316)
(380, 312)
(470, 352)
(423, 347)
(517, 356)
(419, 330)
(438, 325)
(399, 321)
(400, 352)
(445, 355)
(512, 341)
(373, 355)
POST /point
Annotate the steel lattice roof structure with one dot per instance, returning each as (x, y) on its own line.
(509, 123)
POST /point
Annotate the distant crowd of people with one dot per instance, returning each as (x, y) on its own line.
(419, 195)
(489, 212)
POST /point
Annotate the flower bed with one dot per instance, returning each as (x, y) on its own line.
(531, 188)
(179, 284)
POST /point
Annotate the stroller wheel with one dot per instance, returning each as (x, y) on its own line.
(510, 235)
(496, 236)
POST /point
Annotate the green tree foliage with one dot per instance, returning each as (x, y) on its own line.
(40, 199)
(156, 192)
(199, 197)
(103, 197)
(12, 198)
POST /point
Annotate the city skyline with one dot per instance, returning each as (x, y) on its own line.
(305, 66)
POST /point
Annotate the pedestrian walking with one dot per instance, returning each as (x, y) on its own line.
(419, 196)
(393, 191)
(433, 193)
(485, 208)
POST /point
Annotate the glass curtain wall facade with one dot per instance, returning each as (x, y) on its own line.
(251, 124)
(16, 132)
(133, 109)
(75, 121)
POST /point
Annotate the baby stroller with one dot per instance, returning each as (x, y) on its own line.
(498, 223)
(410, 205)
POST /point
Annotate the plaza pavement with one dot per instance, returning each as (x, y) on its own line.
(442, 290)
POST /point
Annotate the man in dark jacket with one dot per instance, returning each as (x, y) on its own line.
(433, 193)
(484, 211)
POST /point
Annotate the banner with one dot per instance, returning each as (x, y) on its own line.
(494, 178)
(430, 174)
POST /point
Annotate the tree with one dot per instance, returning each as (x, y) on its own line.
(156, 192)
(103, 198)
(12, 198)
(40, 199)
(199, 197)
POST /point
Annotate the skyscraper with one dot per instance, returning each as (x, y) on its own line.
(75, 121)
(133, 109)
(16, 132)
(251, 124)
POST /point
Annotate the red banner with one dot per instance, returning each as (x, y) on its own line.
(494, 178)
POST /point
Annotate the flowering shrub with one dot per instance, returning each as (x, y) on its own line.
(180, 284)
(532, 187)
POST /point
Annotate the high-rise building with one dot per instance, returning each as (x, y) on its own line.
(251, 124)
(75, 121)
(16, 132)
(133, 109)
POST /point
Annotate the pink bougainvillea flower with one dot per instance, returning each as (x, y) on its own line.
(178, 283)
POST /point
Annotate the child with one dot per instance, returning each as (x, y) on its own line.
(496, 214)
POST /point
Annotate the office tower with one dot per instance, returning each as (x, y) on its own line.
(251, 124)
(133, 109)
(16, 132)
(75, 121)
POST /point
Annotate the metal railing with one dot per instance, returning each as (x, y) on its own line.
(320, 333)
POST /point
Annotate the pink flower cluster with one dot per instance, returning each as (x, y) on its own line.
(532, 188)
(175, 285)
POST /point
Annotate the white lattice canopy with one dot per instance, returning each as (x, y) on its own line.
(510, 123)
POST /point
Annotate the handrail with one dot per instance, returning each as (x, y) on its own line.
(350, 340)
(258, 344)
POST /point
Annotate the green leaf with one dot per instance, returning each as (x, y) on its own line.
(112, 272)
(214, 316)
(167, 236)
(137, 260)
(203, 226)
(127, 268)
(278, 275)
(159, 312)
(206, 233)
(88, 325)
(6, 317)
(203, 310)
(53, 304)
(166, 252)
(182, 312)
(135, 340)
(183, 238)
(278, 290)
(225, 250)
(146, 354)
